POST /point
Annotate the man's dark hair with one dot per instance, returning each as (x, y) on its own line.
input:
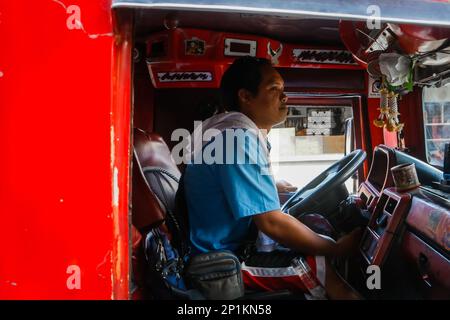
(244, 73)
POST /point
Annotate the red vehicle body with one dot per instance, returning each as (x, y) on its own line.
(74, 211)
(68, 93)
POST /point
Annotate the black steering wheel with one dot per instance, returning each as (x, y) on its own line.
(315, 193)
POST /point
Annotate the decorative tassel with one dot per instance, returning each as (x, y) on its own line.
(392, 123)
(384, 109)
(388, 112)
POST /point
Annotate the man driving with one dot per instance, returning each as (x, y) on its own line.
(227, 194)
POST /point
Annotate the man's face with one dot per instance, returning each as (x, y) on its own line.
(268, 107)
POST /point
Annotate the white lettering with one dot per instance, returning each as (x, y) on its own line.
(374, 280)
(188, 310)
(213, 151)
(373, 21)
(74, 280)
(181, 151)
(74, 20)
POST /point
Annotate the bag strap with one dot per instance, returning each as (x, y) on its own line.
(165, 201)
(181, 212)
(175, 219)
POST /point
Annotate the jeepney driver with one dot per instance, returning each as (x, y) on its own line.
(225, 197)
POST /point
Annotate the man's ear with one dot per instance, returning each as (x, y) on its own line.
(244, 96)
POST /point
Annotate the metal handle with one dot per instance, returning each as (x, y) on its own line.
(382, 220)
(423, 269)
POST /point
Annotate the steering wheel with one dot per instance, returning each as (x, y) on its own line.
(315, 193)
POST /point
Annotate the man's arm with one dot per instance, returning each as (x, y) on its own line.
(293, 234)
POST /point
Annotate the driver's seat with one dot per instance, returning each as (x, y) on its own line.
(154, 184)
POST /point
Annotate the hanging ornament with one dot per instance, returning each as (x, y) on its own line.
(384, 109)
(393, 123)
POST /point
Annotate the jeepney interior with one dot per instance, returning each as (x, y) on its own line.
(329, 146)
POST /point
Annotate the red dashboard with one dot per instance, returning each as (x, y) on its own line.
(385, 223)
(410, 228)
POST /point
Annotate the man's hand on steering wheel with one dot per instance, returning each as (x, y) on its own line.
(284, 186)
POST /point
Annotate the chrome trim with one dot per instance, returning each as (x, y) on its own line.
(400, 11)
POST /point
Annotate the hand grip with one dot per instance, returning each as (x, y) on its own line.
(382, 220)
(423, 269)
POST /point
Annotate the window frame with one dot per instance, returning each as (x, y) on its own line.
(427, 124)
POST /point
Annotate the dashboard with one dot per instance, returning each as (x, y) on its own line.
(408, 234)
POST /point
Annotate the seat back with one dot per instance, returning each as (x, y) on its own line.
(155, 180)
(155, 184)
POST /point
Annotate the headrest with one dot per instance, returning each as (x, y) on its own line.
(153, 151)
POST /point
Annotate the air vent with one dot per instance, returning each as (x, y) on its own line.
(390, 206)
(364, 198)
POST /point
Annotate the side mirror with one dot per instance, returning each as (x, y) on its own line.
(349, 134)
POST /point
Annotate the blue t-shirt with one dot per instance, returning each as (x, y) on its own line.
(223, 196)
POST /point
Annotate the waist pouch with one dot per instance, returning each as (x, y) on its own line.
(217, 275)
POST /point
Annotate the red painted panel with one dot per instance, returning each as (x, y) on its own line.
(390, 138)
(143, 98)
(431, 220)
(347, 31)
(427, 33)
(376, 134)
(395, 220)
(121, 154)
(379, 236)
(411, 113)
(173, 64)
(417, 38)
(56, 186)
(432, 268)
